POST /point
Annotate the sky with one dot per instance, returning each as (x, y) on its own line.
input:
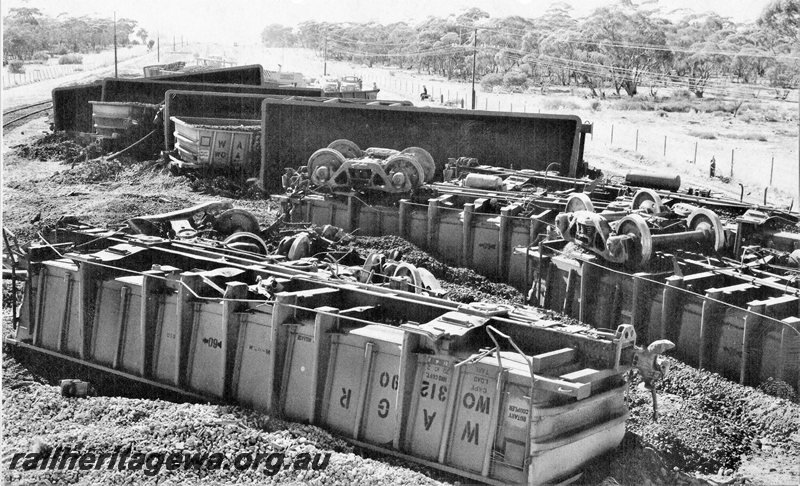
(242, 21)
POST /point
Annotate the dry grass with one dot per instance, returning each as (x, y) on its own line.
(557, 103)
(703, 134)
(758, 137)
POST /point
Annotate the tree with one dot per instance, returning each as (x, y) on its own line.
(22, 33)
(781, 23)
(698, 41)
(125, 28)
(783, 18)
(276, 35)
(142, 34)
(616, 32)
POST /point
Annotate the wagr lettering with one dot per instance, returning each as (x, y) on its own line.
(427, 419)
(344, 401)
(470, 434)
(304, 338)
(383, 408)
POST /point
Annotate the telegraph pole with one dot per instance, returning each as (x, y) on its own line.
(115, 43)
(325, 61)
(474, 53)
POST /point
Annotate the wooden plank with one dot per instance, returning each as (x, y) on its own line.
(553, 359)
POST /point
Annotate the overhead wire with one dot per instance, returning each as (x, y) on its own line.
(589, 68)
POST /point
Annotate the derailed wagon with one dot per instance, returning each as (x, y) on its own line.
(493, 393)
(714, 275)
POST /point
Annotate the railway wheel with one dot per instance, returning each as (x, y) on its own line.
(421, 279)
(647, 200)
(425, 160)
(234, 221)
(323, 164)
(579, 202)
(347, 148)
(705, 219)
(246, 241)
(404, 172)
(635, 225)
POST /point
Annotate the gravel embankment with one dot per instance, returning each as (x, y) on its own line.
(708, 423)
(38, 418)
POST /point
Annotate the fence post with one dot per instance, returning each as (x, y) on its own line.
(732, 163)
(771, 170)
(612, 134)
(695, 152)
(511, 107)
(665, 145)
(486, 104)
(636, 147)
(498, 104)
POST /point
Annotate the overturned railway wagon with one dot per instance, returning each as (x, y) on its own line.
(716, 276)
(493, 393)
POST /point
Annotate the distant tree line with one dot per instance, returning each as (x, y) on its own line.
(618, 48)
(26, 32)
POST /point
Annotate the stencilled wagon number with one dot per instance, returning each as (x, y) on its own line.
(385, 380)
(212, 342)
(433, 391)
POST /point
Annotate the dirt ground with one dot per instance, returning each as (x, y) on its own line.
(712, 431)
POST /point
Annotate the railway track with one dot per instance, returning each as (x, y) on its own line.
(14, 117)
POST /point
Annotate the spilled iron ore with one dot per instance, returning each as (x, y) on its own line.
(706, 423)
(462, 284)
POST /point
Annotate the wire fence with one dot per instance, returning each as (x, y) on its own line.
(761, 161)
(35, 73)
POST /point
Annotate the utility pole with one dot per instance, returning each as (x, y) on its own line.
(115, 43)
(325, 61)
(474, 53)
